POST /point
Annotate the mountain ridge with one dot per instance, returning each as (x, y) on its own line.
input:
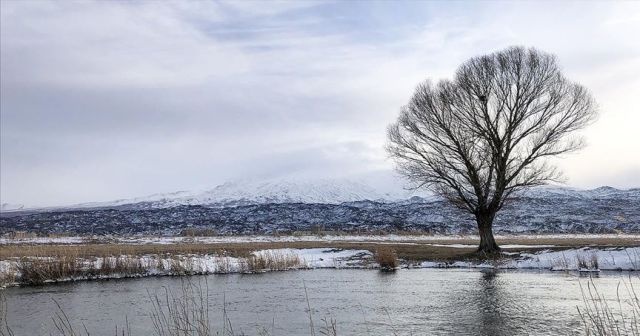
(309, 191)
(276, 207)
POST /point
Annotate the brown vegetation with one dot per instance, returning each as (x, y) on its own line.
(418, 249)
(270, 261)
(38, 270)
(386, 258)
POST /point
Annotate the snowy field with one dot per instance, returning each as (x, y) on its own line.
(304, 238)
(166, 255)
(581, 259)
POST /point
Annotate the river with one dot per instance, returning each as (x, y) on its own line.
(362, 302)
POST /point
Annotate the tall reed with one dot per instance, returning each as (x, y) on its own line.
(619, 316)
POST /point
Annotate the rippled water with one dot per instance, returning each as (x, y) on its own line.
(363, 302)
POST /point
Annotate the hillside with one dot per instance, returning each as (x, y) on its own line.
(268, 207)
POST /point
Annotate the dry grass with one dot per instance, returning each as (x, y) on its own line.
(589, 262)
(7, 277)
(418, 250)
(5, 330)
(241, 250)
(104, 250)
(123, 265)
(44, 262)
(387, 258)
(182, 314)
(39, 270)
(620, 318)
(270, 261)
(36, 271)
(223, 265)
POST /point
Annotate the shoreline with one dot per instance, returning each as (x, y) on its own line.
(43, 269)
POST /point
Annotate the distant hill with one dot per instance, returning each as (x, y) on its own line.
(300, 205)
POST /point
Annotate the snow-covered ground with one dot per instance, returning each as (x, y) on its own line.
(306, 238)
(154, 265)
(610, 259)
(582, 259)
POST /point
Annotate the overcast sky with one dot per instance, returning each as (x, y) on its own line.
(107, 100)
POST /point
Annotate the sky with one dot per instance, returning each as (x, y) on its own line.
(117, 99)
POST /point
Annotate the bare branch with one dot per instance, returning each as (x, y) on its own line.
(485, 135)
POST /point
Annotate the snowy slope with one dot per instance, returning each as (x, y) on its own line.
(331, 191)
(289, 191)
(318, 191)
(251, 207)
(604, 192)
(325, 191)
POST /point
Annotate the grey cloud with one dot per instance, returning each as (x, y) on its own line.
(105, 100)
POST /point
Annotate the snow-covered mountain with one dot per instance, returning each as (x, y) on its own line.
(604, 192)
(250, 207)
(324, 191)
(314, 191)
(327, 191)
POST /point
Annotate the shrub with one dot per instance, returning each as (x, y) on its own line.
(386, 258)
(587, 263)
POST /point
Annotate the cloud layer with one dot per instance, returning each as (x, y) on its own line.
(105, 100)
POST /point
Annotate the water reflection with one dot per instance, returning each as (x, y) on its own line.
(478, 307)
(489, 299)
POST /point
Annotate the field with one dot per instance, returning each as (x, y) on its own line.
(38, 260)
(408, 247)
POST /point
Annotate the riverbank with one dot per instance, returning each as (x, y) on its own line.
(34, 262)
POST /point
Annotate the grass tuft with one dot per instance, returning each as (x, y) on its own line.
(272, 261)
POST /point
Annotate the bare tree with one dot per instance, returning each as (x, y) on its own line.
(480, 138)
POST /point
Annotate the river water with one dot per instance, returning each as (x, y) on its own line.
(362, 302)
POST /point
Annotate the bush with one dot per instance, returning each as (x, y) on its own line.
(386, 258)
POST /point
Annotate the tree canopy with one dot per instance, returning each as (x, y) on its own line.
(486, 134)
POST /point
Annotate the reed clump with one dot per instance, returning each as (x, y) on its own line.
(386, 258)
(5, 329)
(271, 261)
(7, 276)
(619, 316)
(122, 265)
(587, 262)
(223, 265)
(185, 313)
(37, 271)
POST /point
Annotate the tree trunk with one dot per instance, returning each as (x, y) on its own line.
(485, 228)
